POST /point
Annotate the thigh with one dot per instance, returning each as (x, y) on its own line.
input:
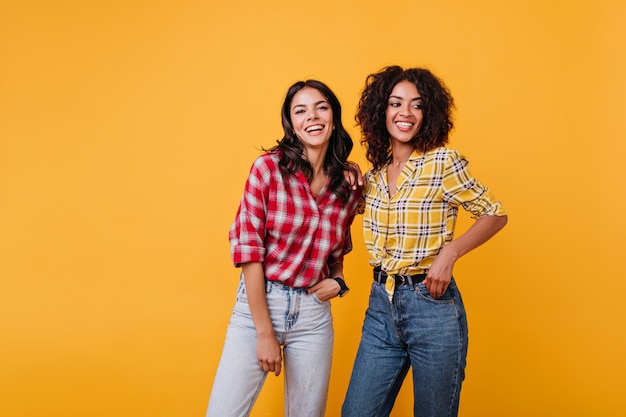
(239, 377)
(381, 363)
(308, 349)
(436, 334)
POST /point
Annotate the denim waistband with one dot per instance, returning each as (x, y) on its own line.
(380, 276)
(282, 285)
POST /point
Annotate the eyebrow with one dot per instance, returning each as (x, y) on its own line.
(400, 98)
(304, 105)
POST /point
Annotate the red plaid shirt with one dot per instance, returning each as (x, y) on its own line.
(281, 224)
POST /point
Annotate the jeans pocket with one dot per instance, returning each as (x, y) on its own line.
(317, 300)
(446, 298)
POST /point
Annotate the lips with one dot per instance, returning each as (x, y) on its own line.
(404, 126)
(314, 128)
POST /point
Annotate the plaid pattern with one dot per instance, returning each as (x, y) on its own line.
(280, 223)
(404, 234)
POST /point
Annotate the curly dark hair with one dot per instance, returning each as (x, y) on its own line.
(437, 107)
(336, 161)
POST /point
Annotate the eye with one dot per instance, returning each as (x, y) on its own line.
(417, 106)
(299, 111)
(394, 104)
(323, 107)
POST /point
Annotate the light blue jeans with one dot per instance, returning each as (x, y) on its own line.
(418, 332)
(304, 328)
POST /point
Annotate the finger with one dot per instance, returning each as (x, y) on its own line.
(430, 286)
(433, 289)
(314, 288)
(438, 288)
(270, 367)
(442, 290)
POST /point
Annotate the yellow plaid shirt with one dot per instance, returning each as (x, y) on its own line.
(404, 233)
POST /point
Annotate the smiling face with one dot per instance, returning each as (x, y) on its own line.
(311, 118)
(404, 112)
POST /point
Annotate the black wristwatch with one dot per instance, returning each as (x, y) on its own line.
(343, 288)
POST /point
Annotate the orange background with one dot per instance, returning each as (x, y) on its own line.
(127, 129)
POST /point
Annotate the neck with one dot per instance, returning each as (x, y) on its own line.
(401, 152)
(400, 156)
(397, 163)
(316, 158)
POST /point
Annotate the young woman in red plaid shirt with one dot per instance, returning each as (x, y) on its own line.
(290, 235)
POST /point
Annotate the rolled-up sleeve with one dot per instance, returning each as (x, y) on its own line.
(247, 233)
(461, 188)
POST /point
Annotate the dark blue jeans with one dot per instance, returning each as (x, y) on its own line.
(418, 332)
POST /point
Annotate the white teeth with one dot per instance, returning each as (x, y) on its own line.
(313, 128)
(404, 124)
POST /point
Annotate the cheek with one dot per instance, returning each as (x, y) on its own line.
(419, 117)
(296, 123)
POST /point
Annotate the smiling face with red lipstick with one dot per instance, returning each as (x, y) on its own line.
(404, 112)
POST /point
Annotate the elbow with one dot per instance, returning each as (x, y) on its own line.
(494, 222)
(502, 221)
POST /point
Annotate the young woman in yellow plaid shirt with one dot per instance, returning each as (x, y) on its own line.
(415, 319)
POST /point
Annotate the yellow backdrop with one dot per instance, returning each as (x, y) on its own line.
(127, 129)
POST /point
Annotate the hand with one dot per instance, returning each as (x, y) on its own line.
(325, 289)
(269, 354)
(440, 273)
(355, 179)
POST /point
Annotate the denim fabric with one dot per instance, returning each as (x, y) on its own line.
(303, 327)
(419, 332)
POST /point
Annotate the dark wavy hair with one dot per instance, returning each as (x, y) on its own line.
(437, 107)
(292, 156)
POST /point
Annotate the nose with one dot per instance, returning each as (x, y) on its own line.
(405, 109)
(312, 114)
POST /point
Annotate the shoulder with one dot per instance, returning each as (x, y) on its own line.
(372, 174)
(447, 156)
(266, 162)
(370, 179)
(264, 170)
(444, 152)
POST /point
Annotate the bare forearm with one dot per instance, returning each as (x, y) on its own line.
(440, 271)
(481, 231)
(336, 270)
(268, 350)
(255, 290)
